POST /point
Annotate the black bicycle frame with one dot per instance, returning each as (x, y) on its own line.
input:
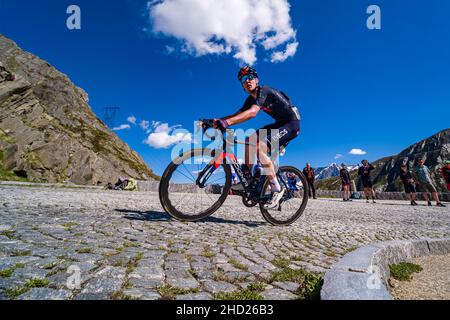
(228, 157)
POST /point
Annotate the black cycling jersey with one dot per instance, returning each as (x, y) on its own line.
(406, 176)
(364, 172)
(275, 103)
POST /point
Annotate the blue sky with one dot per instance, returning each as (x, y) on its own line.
(376, 90)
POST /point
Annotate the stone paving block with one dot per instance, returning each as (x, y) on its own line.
(45, 294)
(204, 274)
(152, 272)
(288, 286)
(5, 227)
(93, 296)
(8, 283)
(85, 257)
(218, 286)
(107, 280)
(183, 283)
(278, 294)
(226, 267)
(200, 260)
(44, 263)
(159, 262)
(154, 254)
(196, 296)
(29, 273)
(147, 283)
(239, 275)
(176, 257)
(142, 294)
(6, 263)
(178, 273)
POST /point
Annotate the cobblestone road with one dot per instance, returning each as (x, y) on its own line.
(62, 243)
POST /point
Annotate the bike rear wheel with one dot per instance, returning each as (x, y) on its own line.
(294, 201)
(182, 197)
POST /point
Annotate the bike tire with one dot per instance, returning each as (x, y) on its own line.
(165, 184)
(273, 220)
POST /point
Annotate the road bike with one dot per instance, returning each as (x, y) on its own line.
(198, 181)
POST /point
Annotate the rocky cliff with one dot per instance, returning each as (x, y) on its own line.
(434, 149)
(48, 132)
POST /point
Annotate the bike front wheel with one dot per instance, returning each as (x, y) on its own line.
(294, 201)
(180, 193)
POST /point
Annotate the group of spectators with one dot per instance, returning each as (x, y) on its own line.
(419, 176)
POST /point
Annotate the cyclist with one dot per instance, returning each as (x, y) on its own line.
(287, 125)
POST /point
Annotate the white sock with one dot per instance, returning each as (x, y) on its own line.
(275, 185)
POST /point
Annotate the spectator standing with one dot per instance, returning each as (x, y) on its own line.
(310, 177)
(445, 172)
(345, 178)
(409, 184)
(426, 184)
(364, 173)
(292, 181)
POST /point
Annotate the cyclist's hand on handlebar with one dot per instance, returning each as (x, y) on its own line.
(206, 123)
(214, 123)
(221, 124)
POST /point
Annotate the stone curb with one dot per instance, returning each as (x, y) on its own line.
(364, 273)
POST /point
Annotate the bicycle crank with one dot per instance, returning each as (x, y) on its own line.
(249, 203)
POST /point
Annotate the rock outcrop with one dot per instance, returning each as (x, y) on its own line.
(48, 132)
(434, 150)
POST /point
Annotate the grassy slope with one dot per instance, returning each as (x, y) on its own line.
(8, 175)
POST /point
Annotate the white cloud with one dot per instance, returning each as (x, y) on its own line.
(281, 56)
(132, 119)
(357, 152)
(122, 127)
(162, 136)
(338, 156)
(144, 124)
(227, 26)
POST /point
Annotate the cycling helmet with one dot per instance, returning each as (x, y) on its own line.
(247, 71)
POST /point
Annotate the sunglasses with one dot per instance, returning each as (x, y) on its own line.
(248, 77)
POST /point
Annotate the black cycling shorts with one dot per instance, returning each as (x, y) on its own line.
(409, 188)
(282, 132)
(367, 183)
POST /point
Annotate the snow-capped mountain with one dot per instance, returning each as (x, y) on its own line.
(331, 171)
